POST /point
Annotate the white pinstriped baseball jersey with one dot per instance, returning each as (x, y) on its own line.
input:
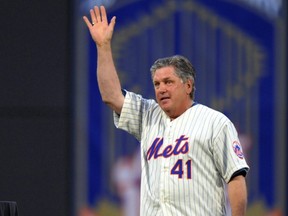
(185, 162)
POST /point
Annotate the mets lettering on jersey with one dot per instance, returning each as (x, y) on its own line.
(185, 162)
(181, 147)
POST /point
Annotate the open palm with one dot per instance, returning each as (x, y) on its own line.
(99, 28)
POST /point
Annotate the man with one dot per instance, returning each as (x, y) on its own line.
(189, 151)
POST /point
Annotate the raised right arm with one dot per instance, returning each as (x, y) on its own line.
(108, 80)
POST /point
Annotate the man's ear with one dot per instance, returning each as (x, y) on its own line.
(189, 86)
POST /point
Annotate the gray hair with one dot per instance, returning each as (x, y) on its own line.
(182, 68)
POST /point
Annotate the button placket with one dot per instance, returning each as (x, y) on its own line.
(166, 162)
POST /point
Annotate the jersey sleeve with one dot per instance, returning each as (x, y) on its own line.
(227, 152)
(132, 113)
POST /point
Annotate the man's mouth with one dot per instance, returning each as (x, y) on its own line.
(164, 98)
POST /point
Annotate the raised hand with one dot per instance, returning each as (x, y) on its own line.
(101, 32)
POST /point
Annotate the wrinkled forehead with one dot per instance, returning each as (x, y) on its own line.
(164, 72)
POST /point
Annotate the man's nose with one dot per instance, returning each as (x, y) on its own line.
(162, 88)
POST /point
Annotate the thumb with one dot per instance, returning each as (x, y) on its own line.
(112, 23)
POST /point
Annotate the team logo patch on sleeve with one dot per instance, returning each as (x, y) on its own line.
(238, 149)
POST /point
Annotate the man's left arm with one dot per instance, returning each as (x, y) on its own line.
(237, 193)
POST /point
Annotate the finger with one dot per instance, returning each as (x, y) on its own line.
(93, 17)
(97, 14)
(103, 14)
(86, 20)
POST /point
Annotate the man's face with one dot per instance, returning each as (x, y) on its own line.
(171, 93)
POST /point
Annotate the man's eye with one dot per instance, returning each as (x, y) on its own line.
(156, 84)
(168, 82)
